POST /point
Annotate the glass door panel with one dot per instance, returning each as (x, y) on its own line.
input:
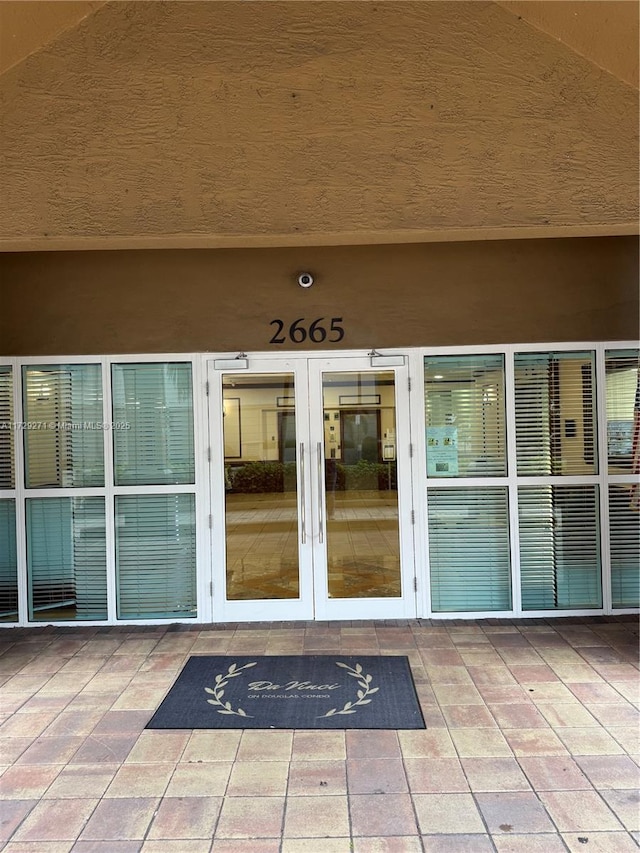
(261, 501)
(361, 492)
(310, 486)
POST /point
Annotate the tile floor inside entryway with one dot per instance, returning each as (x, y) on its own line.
(532, 744)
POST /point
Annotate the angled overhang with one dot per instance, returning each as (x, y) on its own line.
(26, 27)
(298, 123)
(604, 32)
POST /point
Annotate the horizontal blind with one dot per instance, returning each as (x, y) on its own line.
(66, 558)
(465, 416)
(555, 402)
(559, 547)
(624, 524)
(469, 549)
(8, 562)
(89, 557)
(155, 556)
(7, 463)
(153, 410)
(64, 435)
(623, 411)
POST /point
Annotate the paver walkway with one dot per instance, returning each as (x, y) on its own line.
(532, 744)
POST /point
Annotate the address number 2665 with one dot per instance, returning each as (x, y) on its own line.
(299, 331)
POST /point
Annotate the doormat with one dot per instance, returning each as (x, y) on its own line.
(291, 692)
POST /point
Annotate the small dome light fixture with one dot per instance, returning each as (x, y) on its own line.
(305, 279)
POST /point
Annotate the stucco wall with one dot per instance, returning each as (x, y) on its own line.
(289, 122)
(387, 296)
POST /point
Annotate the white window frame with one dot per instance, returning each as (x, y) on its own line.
(108, 491)
(201, 489)
(512, 481)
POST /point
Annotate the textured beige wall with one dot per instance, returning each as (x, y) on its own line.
(411, 295)
(250, 123)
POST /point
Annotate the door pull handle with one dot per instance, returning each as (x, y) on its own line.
(303, 498)
(320, 496)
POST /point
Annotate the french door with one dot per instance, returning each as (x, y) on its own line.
(310, 489)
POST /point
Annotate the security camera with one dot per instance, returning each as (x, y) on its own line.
(305, 279)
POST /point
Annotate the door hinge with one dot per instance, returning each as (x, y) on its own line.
(409, 382)
(211, 588)
(411, 451)
(210, 522)
(413, 516)
(208, 454)
(206, 386)
(415, 584)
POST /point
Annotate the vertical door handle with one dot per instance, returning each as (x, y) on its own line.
(303, 497)
(320, 496)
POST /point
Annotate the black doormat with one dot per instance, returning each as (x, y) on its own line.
(291, 692)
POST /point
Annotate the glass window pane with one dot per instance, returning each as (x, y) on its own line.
(64, 439)
(8, 562)
(153, 410)
(7, 463)
(559, 547)
(623, 411)
(555, 399)
(66, 558)
(624, 521)
(465, 416)
(155, 556)
(469, 549)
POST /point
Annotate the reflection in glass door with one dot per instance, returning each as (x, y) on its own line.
(261, 508)
(361, 490)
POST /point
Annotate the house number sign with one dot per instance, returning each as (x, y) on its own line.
(317, 331)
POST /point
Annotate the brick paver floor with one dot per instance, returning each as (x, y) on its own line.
(532, 744)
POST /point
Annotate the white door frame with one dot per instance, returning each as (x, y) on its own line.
(255, 610)
(314, 602)
(362, 608)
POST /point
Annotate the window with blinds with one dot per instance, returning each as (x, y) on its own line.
(155, 556)
(64, 436)
(153, 413)
(465, 416)
(624, 525)
(469, 549)
(7, 463)
(555, 413)
(623, 411)
(8, 562)
(559, 547)
(66, 558)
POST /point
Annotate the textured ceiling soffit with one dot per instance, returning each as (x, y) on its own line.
(507, 8)
(28, 27)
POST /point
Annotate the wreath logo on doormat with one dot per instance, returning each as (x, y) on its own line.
(364, 683)
(217, 692)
